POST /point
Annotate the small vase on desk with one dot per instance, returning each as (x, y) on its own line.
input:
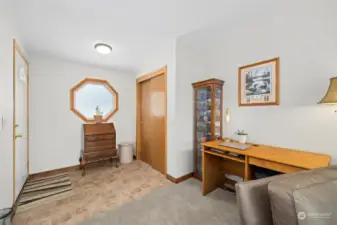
(243, 139)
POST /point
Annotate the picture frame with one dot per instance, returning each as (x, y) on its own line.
(259, 83)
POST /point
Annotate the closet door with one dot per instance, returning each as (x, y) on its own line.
(152, 122)
(157, 102)
(145, 121)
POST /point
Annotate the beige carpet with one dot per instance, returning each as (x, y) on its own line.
(175, 204)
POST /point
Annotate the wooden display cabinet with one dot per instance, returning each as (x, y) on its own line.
(207, 117)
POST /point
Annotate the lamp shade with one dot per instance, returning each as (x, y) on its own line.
(331, 95)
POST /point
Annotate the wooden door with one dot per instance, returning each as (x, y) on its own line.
(152, 122)
(145, 121)
(20, 131)
(157, 104)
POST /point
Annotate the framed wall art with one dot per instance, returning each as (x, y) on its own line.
(259, 83)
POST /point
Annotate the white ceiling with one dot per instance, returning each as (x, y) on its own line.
(135, 28)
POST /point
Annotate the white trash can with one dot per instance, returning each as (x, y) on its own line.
(125, 152)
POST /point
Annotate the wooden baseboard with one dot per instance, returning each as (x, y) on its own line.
(170, 178)
(52, 172)
(62, 170)
(179, 179)
(196, 176)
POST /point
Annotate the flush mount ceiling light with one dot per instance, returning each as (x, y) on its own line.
(103, 48)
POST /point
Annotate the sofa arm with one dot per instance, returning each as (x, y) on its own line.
(253, 202)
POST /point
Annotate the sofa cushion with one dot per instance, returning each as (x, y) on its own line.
(317, 204)
(281, 192)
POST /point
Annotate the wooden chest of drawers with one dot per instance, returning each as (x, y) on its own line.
(99, 144)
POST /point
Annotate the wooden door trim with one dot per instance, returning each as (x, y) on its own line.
(17, 48)
(160, 72)
(153, 74)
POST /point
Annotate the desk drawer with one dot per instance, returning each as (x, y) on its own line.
(283, 168)
(100, 137)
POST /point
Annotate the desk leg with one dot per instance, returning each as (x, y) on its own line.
(247, 170)
(212, 177)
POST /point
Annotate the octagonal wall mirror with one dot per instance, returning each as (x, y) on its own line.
(94, 100)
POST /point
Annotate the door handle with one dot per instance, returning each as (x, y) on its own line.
(18, 135)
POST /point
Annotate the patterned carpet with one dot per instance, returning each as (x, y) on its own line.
(104, 188)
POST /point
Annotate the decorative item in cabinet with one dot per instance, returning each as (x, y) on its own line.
(207, 117)
(99, 144)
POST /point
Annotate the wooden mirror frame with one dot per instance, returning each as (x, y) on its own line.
(97, 81)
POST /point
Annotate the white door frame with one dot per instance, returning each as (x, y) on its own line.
(16, 48)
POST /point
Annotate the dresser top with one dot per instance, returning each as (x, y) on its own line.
(99, 128)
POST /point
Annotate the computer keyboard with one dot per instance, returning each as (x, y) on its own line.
(235, 145)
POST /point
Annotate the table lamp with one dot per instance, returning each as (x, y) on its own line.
(331, 95)
(227, 122)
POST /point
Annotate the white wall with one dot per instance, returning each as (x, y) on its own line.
(165, 56)
(55, 130)
(303, 34)
(190, 68)
(6, 104)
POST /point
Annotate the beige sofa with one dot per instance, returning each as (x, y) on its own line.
(304, 198)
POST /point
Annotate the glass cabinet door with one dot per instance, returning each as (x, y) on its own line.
(217, 114)
(203, 120)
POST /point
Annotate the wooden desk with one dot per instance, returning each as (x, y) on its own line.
(215, 164)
